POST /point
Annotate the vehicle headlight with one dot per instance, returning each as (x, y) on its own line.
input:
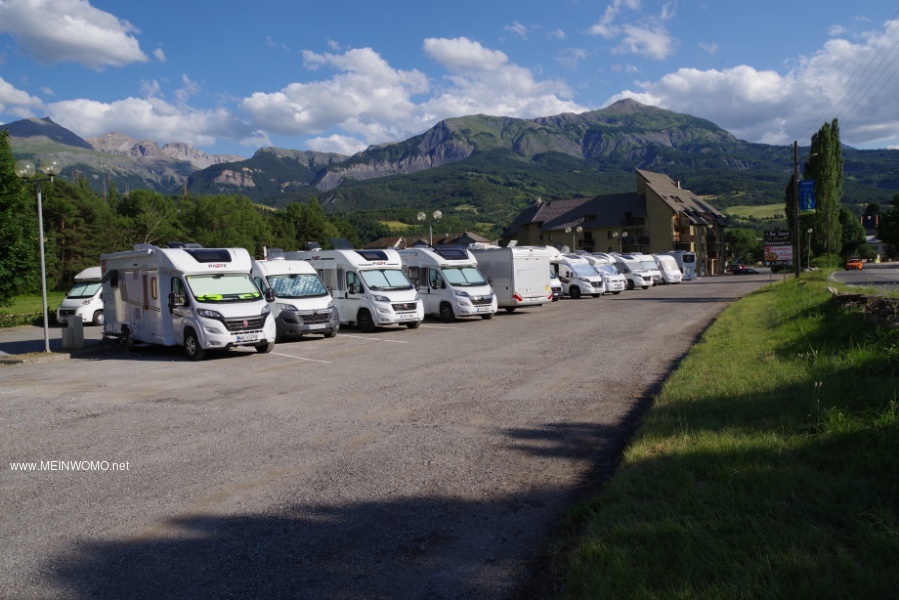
(86, 302)
(462, 293)
(380, 298)
(211, 314)
(265, 309)
(330, 304)
(286, 306)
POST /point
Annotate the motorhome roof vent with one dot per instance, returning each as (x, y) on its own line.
(451, 252)
(183, 245)
(209, 255)
(372, 255)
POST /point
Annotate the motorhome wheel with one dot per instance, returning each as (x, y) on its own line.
(192, 346)
(365, 322)
(331, 333)
(575, 293)
(98, 318)
(413, 324)
(265, 348)
(487, 317)
(446, 312)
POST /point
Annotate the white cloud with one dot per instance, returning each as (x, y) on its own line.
(767, 107)
(710, 49)
(340, 144)
(571, 57)
(518, 29)
(188, 89)
(159, 55)
(52, 31)
(558, 34)
(147, 118)
(17, 101)
(463, 54)
(646, 36)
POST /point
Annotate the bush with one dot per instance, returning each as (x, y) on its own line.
(828, 261)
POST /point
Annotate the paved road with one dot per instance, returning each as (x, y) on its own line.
(884, 277)
(428, 463)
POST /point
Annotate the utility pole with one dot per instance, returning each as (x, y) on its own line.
(796, 207)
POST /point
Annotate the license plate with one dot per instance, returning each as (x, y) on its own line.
(407, 317)
(317, 326)
(483, 309)
(248, 337)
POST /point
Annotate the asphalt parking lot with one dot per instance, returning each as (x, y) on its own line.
(427, 463)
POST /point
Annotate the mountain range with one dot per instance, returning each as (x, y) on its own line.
(481, 163)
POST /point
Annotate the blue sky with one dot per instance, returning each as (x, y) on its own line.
(231, 77)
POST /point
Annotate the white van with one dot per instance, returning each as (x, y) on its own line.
(578, 276)
(301, 304)
(649, 266)
(369, 287)
(520, 274)
(185, 295)
(84, 299)
(612, 280)
(449, 282)
(633, 270)
(668, 267)
(687, 263)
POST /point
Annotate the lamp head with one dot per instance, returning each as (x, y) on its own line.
(438, 215)
(421, 216)
(51, 167)
(25, 169)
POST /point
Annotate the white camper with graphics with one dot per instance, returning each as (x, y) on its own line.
(578, 277)
(687, 263)
(520, 274)
(302, 305)
(84, 299)
(185, 295)
(669, 268)
(369, 287)
(449, 282)
(633, 270)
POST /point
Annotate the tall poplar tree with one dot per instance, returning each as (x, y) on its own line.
(18, 228)
(825, 166)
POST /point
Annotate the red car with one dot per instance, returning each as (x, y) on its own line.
(854, 263)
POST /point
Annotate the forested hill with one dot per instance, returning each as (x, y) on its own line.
(497, 162)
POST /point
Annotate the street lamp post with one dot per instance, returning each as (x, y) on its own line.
(808, 250)
(25, 170)
(437, 215)
(574, 233)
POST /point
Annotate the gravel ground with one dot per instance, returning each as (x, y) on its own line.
(428, 463)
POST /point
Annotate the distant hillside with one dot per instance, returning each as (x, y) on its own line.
(480, 166)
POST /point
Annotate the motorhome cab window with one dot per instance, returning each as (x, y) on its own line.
(223, 287)
(583, 270)
(85, 289)
(297, 285)
(463, 276)
(385, 279)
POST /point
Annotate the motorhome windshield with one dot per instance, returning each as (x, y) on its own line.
(380, 280)
(297, 285)
(84, 289)
(223, 287)
(584, 270)
(610, 269)
(649, 264)
(463, 276)
(689, 258)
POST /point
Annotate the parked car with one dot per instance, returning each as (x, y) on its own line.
(744, 270)
(854, 263)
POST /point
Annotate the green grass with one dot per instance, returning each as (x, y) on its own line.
(26, 310)
(759, 211)
(767, 467)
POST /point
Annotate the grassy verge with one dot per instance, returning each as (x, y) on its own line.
(26, 310)
(767, 468)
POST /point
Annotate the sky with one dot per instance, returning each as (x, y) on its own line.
(231, 77)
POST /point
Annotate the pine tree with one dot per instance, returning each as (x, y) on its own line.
(825, 166)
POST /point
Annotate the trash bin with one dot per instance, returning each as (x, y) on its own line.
(73, 333)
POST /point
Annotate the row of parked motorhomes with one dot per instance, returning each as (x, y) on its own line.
(206, 299)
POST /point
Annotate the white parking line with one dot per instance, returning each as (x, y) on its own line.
(325, 362)
(362, 337)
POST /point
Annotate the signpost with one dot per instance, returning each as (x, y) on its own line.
(778, 249)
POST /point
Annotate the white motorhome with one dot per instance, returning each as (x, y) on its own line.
(301, 303)
(185, 295)
(577, 275)
(633, 270)
(449, 282)
(520, 274)
(687, 263)
(84, 299)
(669, 268)
(612, 280)
(369, 287)
(649, 265)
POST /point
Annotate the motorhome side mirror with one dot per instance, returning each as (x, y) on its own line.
(417, 286)
(175, 300)
(490, 281)
(269, 295)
